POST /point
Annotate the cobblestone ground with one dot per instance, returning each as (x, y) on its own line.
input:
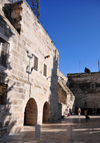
(82, 132)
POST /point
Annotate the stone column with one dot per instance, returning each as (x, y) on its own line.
(37, 131)
(69, 133)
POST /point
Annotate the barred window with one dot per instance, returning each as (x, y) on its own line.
(3, 52)
(35, 63)
(45, 70)
(3, 88)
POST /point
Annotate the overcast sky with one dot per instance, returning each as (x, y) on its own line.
(74, 27)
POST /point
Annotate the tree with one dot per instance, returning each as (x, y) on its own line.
(86, 70)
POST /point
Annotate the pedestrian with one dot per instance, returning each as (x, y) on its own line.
(86, 114)
(66, 112)
(70, 111)
(67, 109)
(79, 111)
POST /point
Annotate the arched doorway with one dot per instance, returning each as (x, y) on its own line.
(30, 117)
(46, 112)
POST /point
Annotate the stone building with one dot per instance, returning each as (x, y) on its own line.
(28, 70)
(86, 88)
(65, 96)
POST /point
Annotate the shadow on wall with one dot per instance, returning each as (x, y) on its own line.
(29, 70)
(54, 107)
(6, 84)
(31, 110)
(71, 85)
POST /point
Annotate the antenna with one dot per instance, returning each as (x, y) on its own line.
(98, 65)
(79, 66)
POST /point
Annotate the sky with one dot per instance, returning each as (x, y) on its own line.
(74, 27)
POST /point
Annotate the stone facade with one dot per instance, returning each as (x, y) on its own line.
(30, 76)
(66, 97)
(86, 88)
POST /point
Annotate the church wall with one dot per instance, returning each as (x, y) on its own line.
(30, 75)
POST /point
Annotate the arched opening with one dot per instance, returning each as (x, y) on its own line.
(30, 116)
(46, 112)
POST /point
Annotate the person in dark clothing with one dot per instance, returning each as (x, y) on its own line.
(86, 114)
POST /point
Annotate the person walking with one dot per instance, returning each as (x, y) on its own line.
(85, 113)
(79, 111)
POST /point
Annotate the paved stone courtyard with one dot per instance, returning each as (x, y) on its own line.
(82, 132)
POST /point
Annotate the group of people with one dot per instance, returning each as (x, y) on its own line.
(67, 112)
(85, 113)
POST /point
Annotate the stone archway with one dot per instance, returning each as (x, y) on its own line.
(46, 112)
(30, 117)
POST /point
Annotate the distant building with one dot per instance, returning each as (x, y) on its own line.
(86, 88)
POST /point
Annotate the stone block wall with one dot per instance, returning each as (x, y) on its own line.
(62, 77)
(66, 97)
(26, 85)
(62, 95)
(86, 88)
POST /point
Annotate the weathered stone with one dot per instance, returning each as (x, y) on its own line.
(3, 132)
(22, 96)
(20, 122)
(66, 97)
(20, 74)
(37, 86)
(85, 87)
(21, 90)
(28, 87)
(17, 109)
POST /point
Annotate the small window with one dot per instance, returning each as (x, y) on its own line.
(45, 70)
(35, 63)
(92, 85)
(3, 88)
(3, 52)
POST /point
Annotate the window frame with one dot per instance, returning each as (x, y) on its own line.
(3, 95)
(92, 87)
(35, 63)
(7, 52)
(45, 70)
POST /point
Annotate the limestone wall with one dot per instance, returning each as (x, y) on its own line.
(62, 95)
(66, 97)
(2, 2)
(86, 88)
(62, 77)
(27, 85)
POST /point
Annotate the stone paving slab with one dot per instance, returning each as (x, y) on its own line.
(82, 132)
